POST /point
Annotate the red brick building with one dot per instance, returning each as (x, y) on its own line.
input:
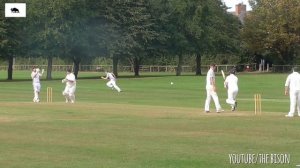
(240, 11)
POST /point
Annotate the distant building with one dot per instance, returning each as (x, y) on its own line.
(240, 11)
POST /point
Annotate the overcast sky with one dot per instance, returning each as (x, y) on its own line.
(232, 3)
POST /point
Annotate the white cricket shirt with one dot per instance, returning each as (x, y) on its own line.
(293, 81)
(111, 76)
(35, 77)
(71, 80)
(232, 82)
(210, 74)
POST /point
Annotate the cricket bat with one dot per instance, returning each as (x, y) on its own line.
(223, 74)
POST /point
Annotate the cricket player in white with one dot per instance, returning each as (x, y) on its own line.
(292, 87)
(112, 81)
(211, 90)
(70, 88)
(231, 84)
(35, 76)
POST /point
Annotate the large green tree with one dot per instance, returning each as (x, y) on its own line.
(198, 27)
(273, 29)
(67, 29)
(174, 23)
(133, 29)
(83, 39)
(12, 35)
(46, 25)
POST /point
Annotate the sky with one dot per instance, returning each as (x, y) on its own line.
(232, 3)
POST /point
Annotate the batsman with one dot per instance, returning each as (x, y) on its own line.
(231, 84)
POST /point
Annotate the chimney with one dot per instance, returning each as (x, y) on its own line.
(240, 9)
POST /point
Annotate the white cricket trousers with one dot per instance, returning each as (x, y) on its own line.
(231, 97)
(112, 84)
(211, 94)
(294, 102)
(69, 93)
(36, 91)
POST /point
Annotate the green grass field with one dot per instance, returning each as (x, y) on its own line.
(150, 124)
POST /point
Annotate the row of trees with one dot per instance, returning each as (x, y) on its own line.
(120, 29)
(139, 30)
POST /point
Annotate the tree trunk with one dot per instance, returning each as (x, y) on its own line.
(198, 64)
(179, 66)
(10, 68)
(76, 67)
(49, 68)
(115, 65)
(136, 66)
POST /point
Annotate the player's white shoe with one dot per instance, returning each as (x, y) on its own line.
(220, 110)
(36, 100)
(288, 115)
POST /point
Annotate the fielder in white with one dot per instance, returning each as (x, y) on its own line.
(70, 88)
(292, 88)
(231, 84)
(211, 90)
(112, 81)
(35, 76)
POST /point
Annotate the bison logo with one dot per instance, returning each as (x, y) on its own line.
(14, 10)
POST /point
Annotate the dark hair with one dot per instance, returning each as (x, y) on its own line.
(232, 71)
(69, 70)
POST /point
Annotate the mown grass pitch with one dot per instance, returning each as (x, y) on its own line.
(151, 124)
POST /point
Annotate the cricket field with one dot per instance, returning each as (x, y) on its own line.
(150, 124)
